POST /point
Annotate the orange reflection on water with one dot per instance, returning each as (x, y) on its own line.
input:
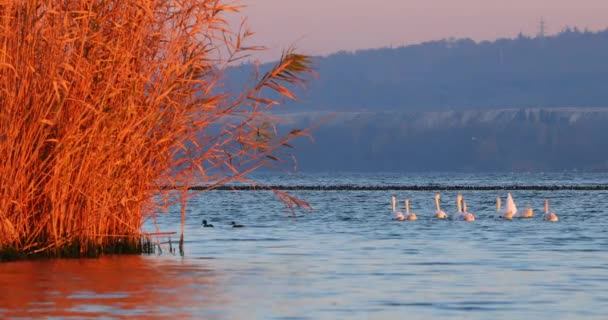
(116, 287)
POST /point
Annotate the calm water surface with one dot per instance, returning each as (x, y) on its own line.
(347, 259)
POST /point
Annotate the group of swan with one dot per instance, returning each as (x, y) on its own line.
(399, 215)
(508, 212)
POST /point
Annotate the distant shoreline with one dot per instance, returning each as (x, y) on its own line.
(393, 187)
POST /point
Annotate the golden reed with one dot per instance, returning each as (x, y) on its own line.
(104, 102)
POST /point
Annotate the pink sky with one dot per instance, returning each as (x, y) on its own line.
(320, 27)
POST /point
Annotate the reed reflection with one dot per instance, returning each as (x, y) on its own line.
(112, 286)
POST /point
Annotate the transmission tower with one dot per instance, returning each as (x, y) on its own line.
(541, 30)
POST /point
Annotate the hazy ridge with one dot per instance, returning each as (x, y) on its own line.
(522, 104)
(474, 140)
(565, 70)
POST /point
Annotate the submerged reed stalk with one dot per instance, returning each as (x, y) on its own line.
(104, 102)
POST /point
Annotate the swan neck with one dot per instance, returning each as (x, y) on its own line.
(407, 206)
(498, 204)
(394, 203)
(547, 206)
(459, 204)
(437, 204)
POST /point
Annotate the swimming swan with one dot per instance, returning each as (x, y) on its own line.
(551, 217)
(467, 216)
(526, 214)
(398, 215)
(460, 214)
(502, 212)
(511, 208)
(409, 215)
(439, 214)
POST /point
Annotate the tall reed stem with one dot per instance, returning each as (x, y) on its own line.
(103, 102)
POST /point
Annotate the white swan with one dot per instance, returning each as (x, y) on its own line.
(458, 214)
(440, 214)
(398, 215)
(409, 215)
(552, 217)
(511, 207)
(467, 216)
(526, 214)
(511, 210)
(503, 213)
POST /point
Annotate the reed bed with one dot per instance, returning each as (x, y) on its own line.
(104, 102)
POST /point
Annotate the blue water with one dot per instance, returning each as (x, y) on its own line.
(347, 259)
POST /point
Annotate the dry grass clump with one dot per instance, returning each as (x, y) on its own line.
(104, 102)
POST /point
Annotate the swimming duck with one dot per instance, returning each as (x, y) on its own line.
(206, 225)
(235, 225)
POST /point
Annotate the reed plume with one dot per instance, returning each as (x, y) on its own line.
(102, 103)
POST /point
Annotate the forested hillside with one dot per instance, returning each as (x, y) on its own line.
(566, 70)
(523, 104)
(476, 140)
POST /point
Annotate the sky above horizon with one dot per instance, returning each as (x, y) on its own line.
(320, 27)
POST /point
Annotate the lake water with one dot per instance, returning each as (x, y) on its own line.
(347, 259)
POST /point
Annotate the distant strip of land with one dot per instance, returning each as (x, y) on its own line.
(396, 187)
